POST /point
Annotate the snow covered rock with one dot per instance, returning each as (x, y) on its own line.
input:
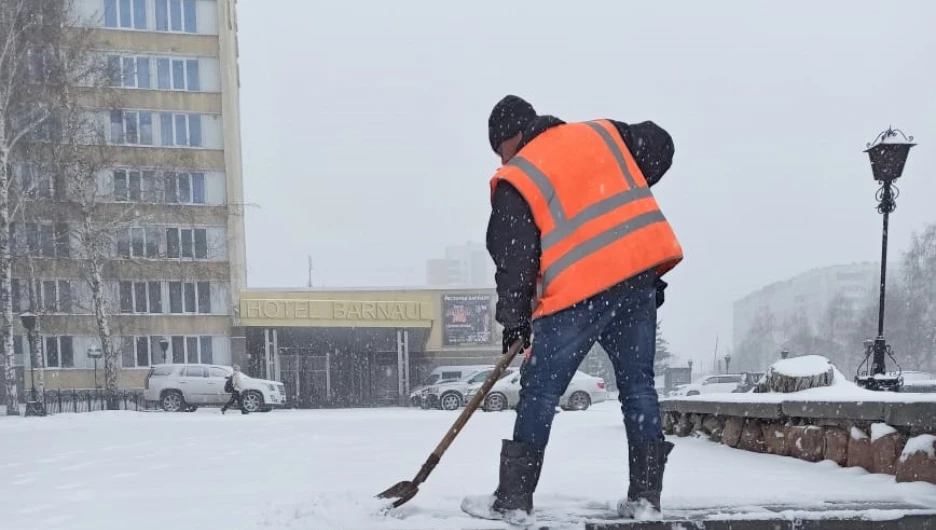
(836, 445)
(806, 442)
(880, 430)
(752, 436)
(859, 450)
(886, 446)
(714, 426)
(732, 434)
(798, 373)
(918, 460)
(683, 425)
(775, 439)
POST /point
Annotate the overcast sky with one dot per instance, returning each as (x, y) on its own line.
(365, 130)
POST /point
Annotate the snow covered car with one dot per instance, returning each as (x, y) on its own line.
(450, 395)
(918, 382)
(185, 387)
(442, 374)
(583, 391)
(711, 384)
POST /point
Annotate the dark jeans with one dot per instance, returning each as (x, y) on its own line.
(623, 320)
(235, 398)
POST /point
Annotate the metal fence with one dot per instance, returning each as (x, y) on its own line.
(64, 401)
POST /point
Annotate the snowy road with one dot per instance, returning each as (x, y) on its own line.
(319, 469)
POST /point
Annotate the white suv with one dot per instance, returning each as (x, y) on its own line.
(712, 384)
(185, 387)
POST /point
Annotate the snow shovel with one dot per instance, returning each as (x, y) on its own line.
(402, 492)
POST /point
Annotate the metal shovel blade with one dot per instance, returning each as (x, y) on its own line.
(401, 491)
(406, 490)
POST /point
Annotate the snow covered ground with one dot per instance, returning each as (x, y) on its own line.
(320, 469)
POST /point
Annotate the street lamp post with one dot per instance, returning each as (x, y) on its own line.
(95, 353)
(888, 155)
(164, 344)
(35, 404)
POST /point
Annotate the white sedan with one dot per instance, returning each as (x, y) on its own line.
(583, 391)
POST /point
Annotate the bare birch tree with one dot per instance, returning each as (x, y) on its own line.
(44, 58)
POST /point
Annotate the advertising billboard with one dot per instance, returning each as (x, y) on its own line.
(466, 319)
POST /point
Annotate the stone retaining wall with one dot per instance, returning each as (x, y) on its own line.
(881, 437)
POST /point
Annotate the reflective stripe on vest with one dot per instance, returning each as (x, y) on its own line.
(631, 203)
(565, 227)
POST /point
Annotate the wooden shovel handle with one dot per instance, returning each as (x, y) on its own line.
(465, 415)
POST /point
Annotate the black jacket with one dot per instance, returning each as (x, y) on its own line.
(513, 239)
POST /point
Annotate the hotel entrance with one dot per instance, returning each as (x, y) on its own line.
(360, 348)
(338, 367)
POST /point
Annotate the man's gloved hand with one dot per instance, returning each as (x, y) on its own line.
(660, 295)
(515, 334)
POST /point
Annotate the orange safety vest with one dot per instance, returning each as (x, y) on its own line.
(599, 223)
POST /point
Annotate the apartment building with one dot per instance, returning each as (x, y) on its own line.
(174, 143)
(808, 294)
(467, 265)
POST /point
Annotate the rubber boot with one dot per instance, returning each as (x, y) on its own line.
(647, 463)
(520, 468)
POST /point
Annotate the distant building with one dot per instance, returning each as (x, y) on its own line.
(808, 294)
(467, 265)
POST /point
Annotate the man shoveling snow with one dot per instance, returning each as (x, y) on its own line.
(574, 222)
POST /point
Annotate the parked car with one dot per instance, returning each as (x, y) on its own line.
(185, 387)
(442, 374)
(473, 388)
(918, 382)
(711, 384)
(583, 391)
(450, 395)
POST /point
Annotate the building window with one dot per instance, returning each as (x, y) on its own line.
(50, 129)
(131, 127)
(140, 297)
(185, 188)
(152, 187)
(17, 297)
(138, 243)
(135, 186)
(129, 72)
(59, 352)
(37, 61)
(138, 352)
(192, 350)
(125, 14)
(47, 240)
(176, 15)
(189, 297)
(53, 296)
(183, 130)
(36, 184)
(187, 243)
(18, 350)
(178, 74)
